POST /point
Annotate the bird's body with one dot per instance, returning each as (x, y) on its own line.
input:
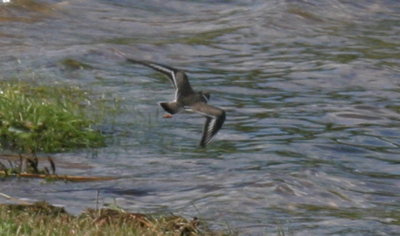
(189, 100)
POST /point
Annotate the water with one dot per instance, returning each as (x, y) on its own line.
(311, 90)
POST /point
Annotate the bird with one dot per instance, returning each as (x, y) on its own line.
(187, 99)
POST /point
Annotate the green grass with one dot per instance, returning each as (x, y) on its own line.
(43, 219)
(45, 119)
(73, 64)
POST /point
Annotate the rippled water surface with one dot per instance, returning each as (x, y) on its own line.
(311, 90)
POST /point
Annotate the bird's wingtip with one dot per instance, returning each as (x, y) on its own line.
(202, 144)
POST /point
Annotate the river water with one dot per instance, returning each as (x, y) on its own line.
(311, 90)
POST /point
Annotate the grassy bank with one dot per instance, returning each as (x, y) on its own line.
(37, 118)
(43, 219)
(42, 119)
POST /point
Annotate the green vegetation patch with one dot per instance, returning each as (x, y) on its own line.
(44, 219)
(73, 64)
(45, 119)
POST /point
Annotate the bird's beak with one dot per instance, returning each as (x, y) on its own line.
(166, 115)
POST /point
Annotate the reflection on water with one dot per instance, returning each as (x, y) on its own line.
(311, 90)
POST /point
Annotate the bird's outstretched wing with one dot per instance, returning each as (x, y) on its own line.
(215, 118)
(178, 77)
(167, 70)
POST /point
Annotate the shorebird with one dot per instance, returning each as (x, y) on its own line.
(186, 99)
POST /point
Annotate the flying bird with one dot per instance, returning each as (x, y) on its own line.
(187, 99)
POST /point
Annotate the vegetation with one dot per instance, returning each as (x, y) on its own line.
(44, 119)
(44, 219)
(72, 64)
(28, 167)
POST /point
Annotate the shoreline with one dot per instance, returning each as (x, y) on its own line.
(41, 218)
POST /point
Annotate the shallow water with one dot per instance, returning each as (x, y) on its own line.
(311, 89)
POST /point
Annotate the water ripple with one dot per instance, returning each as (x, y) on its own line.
(310, 88)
